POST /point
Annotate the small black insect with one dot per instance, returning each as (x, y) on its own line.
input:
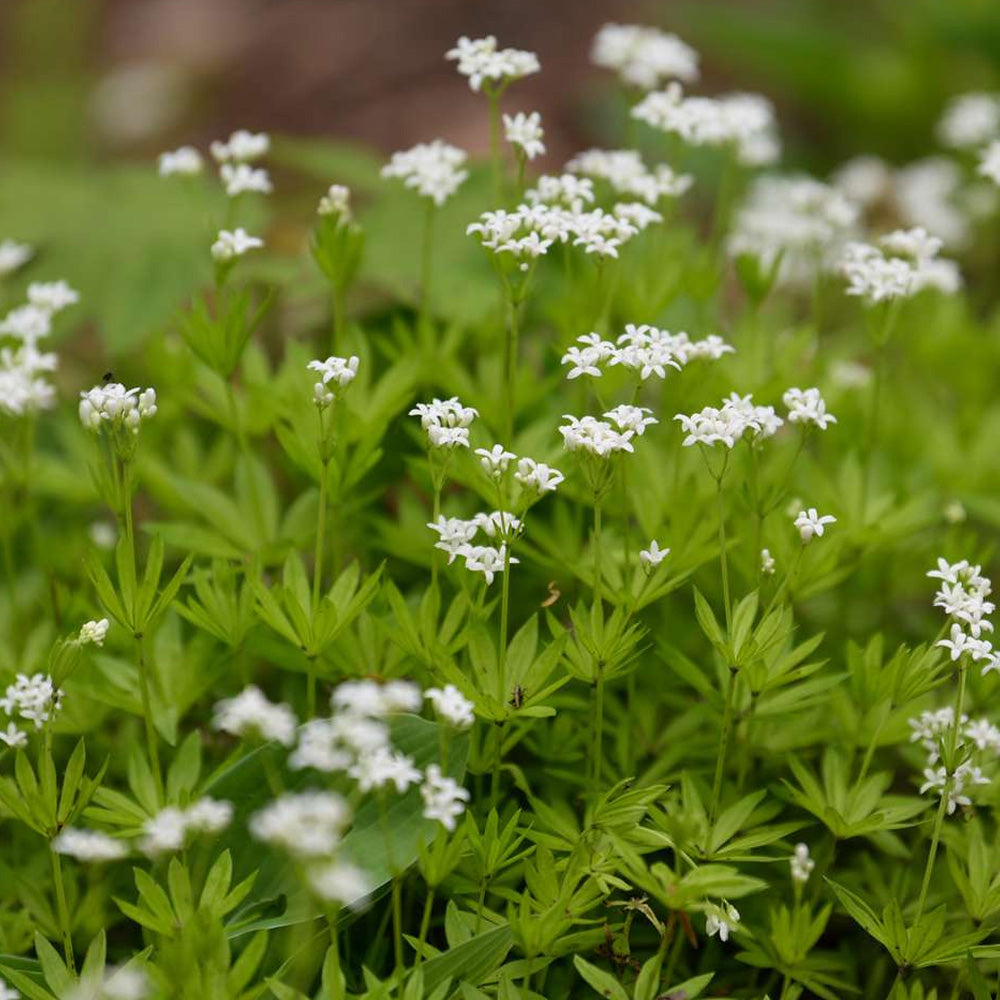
(108, 376)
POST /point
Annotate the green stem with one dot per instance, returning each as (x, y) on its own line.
(496, 159)
(152, 740)
(510, 350)
(397, 924)
(949, 763)
(722, 555)
(425, 923)
(320, 534)
(597, 554)
(339, 320)
(720, 761)
(426, 270)
(598, 748)
(63, 911)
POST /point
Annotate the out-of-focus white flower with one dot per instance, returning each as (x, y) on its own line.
(239, 178)
(336, 201)
(185, 161)
(94, 631)
(452, 706)
(624, 170)
(34, 699)
(809, 523)
(483, 62)
(13, 255)
(432, 169)
(368, 697)
(383, 767)
(525, 132)
(644, 57)
(250, 713)
(307, 824)
(444, 798)
(721, 921)
(230, 245)
(171, 827)
(970, 120)
(864, 180)
(53, 296)
(340, 882)
(13, 737)
(89, 845)
(743, 122)
(242, 147)
(989, 162)
(801, 864)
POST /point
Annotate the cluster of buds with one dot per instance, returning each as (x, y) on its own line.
(112, 405)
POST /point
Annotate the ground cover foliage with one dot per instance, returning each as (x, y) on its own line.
(502, 584)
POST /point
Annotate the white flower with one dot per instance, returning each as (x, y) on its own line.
(94, 631)
(989, 162)
(802, 221)
(930, 193)
(631, 418)
(169, 829)
(53, 296)
(729, 423)
(208, 815)
(957, 644)
(595, 436)
(481, 61)
(13, 255)
(340, 882)
(801, 864)
(89, 845)
(432, 169)
(242, 147)
(936, 779)
(33, 698)
(565, 189)
(495, 460)
(250, 713)
(185, 161)
(864, 180)
(809, 523)
(335, 374)
(721, 921)
(644, 57)
(111, 404)
(444, 798)
(367, 697)
(446, 422)
(537, 476)
(334, 744)
(487, 560)
(14, 738)
(766, 562)
(970, 120)
(240, 178)
(807, 406)
(8, 992)
(525, 132)
(624, 170)
(452, 706)
(308, 824)
(384, 767)
(29, 323)
(336, 201)
(743, 122)
(654, 555)
(229, 245)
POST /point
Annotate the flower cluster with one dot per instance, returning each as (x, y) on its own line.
(240, 178)
(113, 406)
(625, 172)
(989, 162)
(963, 595)
(336, 203)
(801, 864)
(251, 714)
(241, 147)
(335, 375)
(525, 132)
(807, 406)
(729, 423)
(234, 156)
(446, 422)
(482, 62)
(452, 706)
(645, 350)
(455, 537)
(33, 699)
(970, 120)
(229, 245)
(94, 632)
(810, 523)
(432, 169)
(595, 437)
(89, 845)
(185, 161)
(13, 256)
(803, 221)
(744, 123)
(644, 57)
(171, 828)
(24, 368)
(722, 920)
(902, 264)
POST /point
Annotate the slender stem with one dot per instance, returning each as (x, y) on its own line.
(339, 318)
(720, 760)
(397, 924)
(510, 363)
(320, 534)
(722, 554)
(152, 740)
(63, 911)
(597, 753)
(496, 159)
(949, 764)
(597, 553)
(425, 923)
(426, 270)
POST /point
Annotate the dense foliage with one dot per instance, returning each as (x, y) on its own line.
(435, 618)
